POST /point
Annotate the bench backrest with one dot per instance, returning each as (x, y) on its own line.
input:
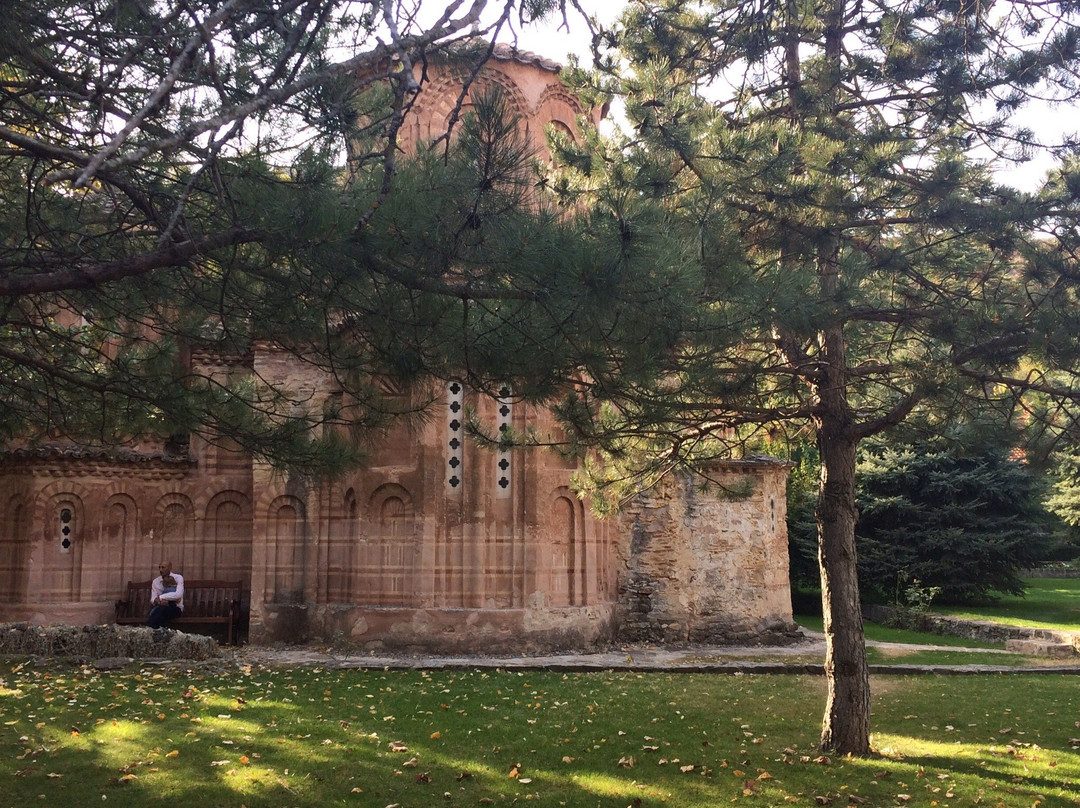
(202, 598)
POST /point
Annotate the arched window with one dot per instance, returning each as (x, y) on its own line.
(63, 553)
(65, 517)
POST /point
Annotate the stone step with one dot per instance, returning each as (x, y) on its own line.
(1047, 648)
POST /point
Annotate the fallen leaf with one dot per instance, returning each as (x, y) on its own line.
(627, 762)
(173, 753)
(244, 759)
(525, 780)
(411, 763)
(687, 768)
(423, 777)
(398, 746)
(435, 735)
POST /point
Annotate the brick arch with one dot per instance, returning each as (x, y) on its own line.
(379, 497)
(393, 548)
(172, 532)
(568, 561)
(286, 536)
(557, 104)
(61, 576)
(561, 126)
(227, 537)
(345, 559)
(16, 524)
(430, 119)
(119, 559)
(45, 500)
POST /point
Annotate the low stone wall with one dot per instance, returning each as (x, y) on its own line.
(957, 627)
(1051, 572)
(104, 641)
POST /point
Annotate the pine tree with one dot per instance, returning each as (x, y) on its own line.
(964, 524)
(829, 168)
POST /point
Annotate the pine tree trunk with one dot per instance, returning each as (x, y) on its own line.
(846, 725)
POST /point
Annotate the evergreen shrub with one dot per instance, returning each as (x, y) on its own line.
(935, 519)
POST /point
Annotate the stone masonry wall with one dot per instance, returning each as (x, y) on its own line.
(707, 563)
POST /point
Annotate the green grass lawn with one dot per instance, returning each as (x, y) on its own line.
(1048, 603)
(311, 737)
(944, 655)
(884, 655)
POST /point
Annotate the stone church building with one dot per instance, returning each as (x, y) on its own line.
(437, 544)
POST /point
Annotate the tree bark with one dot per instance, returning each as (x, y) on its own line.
(846, 724)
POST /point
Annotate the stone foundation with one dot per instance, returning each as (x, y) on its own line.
(468, 631)
(105, 641)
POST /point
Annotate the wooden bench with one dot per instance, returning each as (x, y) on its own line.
(205, 603)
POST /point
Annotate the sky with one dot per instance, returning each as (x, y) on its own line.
(556, 42)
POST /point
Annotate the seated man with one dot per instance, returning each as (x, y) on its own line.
(166, 596)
